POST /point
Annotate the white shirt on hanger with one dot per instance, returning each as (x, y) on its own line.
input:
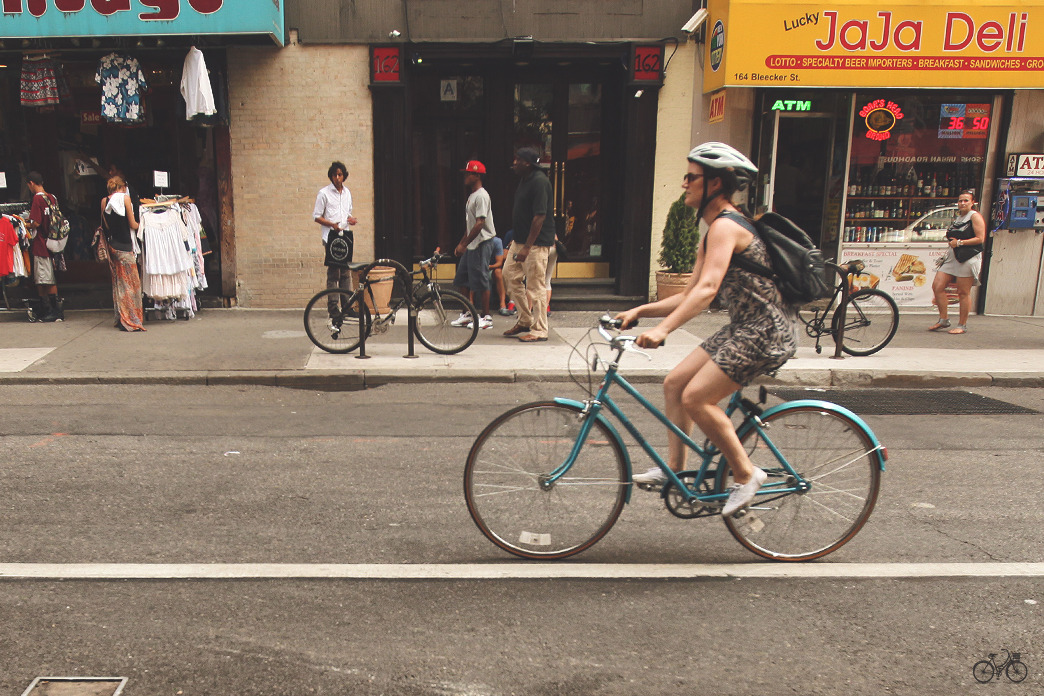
(195, 86)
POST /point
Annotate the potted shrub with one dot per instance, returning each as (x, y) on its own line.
(681, 234)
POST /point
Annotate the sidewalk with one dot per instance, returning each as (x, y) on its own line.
(270, 347)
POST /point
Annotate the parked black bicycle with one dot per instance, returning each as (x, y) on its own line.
(338, 320)
(1011, 666)
(871, 316)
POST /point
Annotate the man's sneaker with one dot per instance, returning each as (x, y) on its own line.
(505, 312)
(485, 322)
(652, 477)
(334, 326)
(740, 495)
(463, 320)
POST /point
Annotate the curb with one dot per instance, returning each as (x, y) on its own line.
(363, 379)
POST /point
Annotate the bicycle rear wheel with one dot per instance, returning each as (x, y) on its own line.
(336, 320)
(512, 458)
(983, 671)
(871, 320)
(836, 458)
(436, 310)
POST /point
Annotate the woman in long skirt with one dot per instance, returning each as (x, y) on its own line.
(119, 221)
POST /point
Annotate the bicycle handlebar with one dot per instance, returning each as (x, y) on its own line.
(619, 343)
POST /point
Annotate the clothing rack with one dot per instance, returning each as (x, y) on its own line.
(16, 208)
(167, 200)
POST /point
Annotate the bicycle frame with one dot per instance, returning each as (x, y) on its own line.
(815, 328)
(593, 408)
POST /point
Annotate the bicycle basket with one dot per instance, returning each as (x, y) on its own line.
(587, 361)
(1015, 657)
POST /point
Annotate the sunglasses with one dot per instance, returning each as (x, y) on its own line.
(690, 177)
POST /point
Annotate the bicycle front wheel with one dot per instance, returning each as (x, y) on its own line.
(871, 320)
(1016, 671)
(830, 453)
(436, 311)
(983, 671)
(336, 320)
(506, 488)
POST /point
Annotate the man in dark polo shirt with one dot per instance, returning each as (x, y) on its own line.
(534, 238)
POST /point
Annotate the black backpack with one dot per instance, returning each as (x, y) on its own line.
(797, 265)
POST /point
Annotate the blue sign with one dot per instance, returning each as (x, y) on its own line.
(65, 18)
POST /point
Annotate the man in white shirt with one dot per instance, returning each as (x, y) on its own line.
(476, 246)
(333, 211)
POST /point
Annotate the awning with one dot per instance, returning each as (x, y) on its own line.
(995, 44)
(97, 18)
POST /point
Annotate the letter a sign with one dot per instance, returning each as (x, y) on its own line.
(448, 90)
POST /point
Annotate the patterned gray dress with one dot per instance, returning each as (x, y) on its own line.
(762, 333)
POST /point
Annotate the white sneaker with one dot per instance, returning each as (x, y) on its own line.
(740, 495)
(463, 320)
(652, 477)
(485, 322)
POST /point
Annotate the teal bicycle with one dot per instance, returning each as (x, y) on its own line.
(548, 480)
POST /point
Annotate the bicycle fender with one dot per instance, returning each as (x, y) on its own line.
(612, 431)
(840, 410)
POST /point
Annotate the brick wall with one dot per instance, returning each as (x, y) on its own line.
(294, 111)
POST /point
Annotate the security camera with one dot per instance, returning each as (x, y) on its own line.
(394, 34)
(695, 21)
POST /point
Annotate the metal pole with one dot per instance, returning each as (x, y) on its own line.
(363, 333)
(411, 313)
(842, 312)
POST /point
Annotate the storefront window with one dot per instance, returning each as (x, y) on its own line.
(910, 155)
(73, 146)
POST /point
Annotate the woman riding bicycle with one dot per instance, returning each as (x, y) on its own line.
(760, 337)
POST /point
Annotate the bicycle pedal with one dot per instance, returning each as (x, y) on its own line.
(651, 487)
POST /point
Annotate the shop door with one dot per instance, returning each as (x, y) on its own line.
(563, 119)
(795, 157)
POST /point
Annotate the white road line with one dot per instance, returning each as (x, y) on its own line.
(506, 571)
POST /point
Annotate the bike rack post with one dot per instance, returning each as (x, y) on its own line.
(407, 288)
(362, 334)
(843, 311)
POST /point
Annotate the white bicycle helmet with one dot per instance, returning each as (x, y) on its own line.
(715, 155)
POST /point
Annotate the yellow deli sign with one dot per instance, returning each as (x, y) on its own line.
(854, 44)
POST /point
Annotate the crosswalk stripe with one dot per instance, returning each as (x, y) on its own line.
(505, 571)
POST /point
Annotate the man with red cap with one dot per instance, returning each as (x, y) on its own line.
(476, 246)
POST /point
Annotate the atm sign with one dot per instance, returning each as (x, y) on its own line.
(717, 107)
(1026, 164)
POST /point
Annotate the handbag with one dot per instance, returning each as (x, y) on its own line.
(340, 246)
(101, 248)
(963, 253)
(560, 249)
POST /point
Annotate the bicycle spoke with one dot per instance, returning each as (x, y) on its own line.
(836, 459)
(510, 504)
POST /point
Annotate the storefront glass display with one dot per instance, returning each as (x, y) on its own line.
(909, 155)
(74, 143)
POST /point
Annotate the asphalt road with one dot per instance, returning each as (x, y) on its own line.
(132, 474)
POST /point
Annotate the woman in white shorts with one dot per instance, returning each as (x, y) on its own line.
(962, 263)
